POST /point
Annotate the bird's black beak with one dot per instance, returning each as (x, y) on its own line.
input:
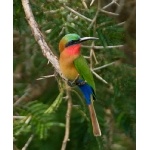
(87, 38)
(80, 40)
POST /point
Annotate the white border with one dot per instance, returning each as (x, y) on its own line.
(6, 74)
(143, 75)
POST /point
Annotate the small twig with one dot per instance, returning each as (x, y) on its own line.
(62, 31)
(92, 2)
(91, 53)
(24, 97)
(99, 77)
(104, 66)
(102, 47)
(120, 24)
(112, 2)
(96, 15)
(44, 77)
(28, 119)
(108, 5)
(121, 5)
(117, 4)
(19, 117)
(96, 61)
(78, 14)
(109, 13)
(53, 11)
(28, 142)
(68, 116)
(84, 4)
(86, 57)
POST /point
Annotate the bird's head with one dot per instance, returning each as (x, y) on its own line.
(71, 39)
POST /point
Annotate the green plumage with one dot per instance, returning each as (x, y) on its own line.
(84, 71)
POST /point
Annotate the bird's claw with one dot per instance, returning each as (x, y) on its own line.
(80, 83)
(72, 83)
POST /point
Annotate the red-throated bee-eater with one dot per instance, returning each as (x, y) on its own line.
(74, 67)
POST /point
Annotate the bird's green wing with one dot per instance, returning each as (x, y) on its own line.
(84, 70)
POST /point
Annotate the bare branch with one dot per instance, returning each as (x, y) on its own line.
(19, 117)
(112, 2)
(92, 2)
(109, 13)
(44, 77)
(102, 47)
(84, 4)
(76, 13)
(99, 77)
(108, 5)
(121, 23)
(96, 61)
(96, 15)
(86, 57)
(91, 53)
(104, 66)
(53, 11)
(68, 116)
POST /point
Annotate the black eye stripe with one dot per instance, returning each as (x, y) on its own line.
(72, 42)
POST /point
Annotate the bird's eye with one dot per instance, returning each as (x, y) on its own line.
(72, 42)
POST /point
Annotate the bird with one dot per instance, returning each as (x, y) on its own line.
(75, 68)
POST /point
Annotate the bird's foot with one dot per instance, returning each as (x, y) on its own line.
(80, 82)
(73, 83)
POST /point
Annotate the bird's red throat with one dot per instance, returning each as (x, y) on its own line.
(73, 49)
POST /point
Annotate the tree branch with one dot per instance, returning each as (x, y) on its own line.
(47, 52)
(76, 13)
(99, 77)
(102, 47)
(19, 117)
(109, 13)
(68, 115)
(104, 66)
(96, 15)
(84, 4)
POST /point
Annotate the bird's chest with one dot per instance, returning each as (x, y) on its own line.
(67, 66)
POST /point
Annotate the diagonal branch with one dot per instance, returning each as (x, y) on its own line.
(28, 142)
(99, 77)
(76, 13)
(47, 52)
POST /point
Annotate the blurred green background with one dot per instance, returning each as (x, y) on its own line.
(116, 104)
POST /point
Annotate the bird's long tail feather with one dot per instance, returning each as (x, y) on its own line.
(95, 124)
(89, 95)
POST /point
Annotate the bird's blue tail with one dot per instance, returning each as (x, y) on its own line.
(87, 91)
